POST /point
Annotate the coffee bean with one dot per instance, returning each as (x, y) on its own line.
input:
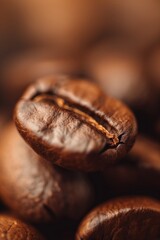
(123, 218)
(34, 189)
(74, 124)
(14, 229)
(122, 75)
(146, 153)
(138, 173)
(21, 69)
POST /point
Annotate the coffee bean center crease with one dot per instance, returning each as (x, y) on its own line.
(84, 114)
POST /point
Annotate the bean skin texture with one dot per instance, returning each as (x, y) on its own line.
(72, 123)
(124, 218)
(13, 229)
(36, 190)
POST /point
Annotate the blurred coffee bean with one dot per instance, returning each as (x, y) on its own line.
(18, 71)
(137, 22)
(66, 26)
(70, 26)
(36, 190)
(13, 228)
(153, 66)
(139, 173)
(146, 153)
(122, 219)
(121, 74)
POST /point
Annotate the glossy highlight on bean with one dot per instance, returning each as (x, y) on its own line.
(122, 219)
(13, 228)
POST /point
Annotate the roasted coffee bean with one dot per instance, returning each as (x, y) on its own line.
(146, 153)
(139, 173)
(74, 124)
(23, 68)
(13, 229)
(122, 75)
(34, 189)
(123, 218)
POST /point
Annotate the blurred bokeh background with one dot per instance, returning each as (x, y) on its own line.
(69, 27)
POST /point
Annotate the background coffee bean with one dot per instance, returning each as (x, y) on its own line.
(124, 75)
(12, 228)
(139, 173)
(123, 218)
(146, 153)
(136, 23)
(36, 190)
(121, 75)
(67, 27)
(74, 124)
(21, 69)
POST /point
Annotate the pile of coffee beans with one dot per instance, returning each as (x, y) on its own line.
(80, 120)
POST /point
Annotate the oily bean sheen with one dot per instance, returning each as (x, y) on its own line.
(34, 189)
(122, 219)
(72, 123)
(13, 229)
